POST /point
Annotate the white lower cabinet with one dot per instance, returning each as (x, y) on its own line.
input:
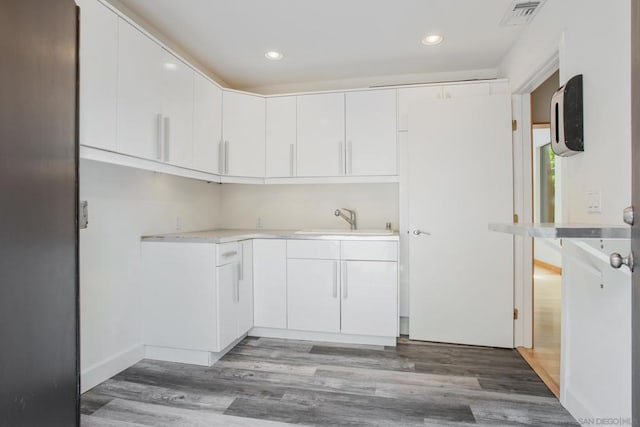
(313, 302)
(198, 298)
(270, 283)
(245, 288)
(227, 277)
(369, 298)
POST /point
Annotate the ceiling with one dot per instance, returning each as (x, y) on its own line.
(331, 39)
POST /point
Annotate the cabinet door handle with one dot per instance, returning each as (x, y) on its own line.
(226, 157)
(349, 158)
(291, 156)
(340, 159)
(241, 263)
(345, 281)
(335, 279)
(167, 138)
(159, 136)
(221, 157)
(238, 283)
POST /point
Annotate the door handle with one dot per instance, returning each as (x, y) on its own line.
(341, 165)
(616, 260)
(629, 215)
(419, 232)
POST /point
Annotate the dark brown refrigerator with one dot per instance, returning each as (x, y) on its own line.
(39, 380)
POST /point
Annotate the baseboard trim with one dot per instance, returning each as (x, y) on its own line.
(102, 371)
(322, 336)
(547, 266)
(191, 357)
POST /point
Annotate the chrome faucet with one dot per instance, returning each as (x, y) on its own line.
(351, 219)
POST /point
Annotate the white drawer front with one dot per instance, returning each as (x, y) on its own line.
(313, 249)
(369, 250)
(227, 253)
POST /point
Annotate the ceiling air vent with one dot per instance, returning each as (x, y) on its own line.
(521, 12)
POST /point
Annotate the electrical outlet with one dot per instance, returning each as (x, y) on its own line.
(259, 222)
(594, 201)
(178, 223)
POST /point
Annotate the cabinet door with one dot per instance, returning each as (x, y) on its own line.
(270, 283)
(409, 95)
(227, 279)
(321, 135)
(207, 125)
(179, 295)
(243, 124)
(281, 136)
(245, 297)
(177, 110)
(139, 93)
(370, 298)
(371, 133)
(98, 75)
(313, 301)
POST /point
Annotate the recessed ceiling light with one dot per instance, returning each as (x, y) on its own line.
(274, 55)
(432, 39)
(170, 66)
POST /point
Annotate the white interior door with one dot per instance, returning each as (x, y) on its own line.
(460, 180)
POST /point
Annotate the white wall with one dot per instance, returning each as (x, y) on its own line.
(124, 204)
(593, 325)
(308, 206)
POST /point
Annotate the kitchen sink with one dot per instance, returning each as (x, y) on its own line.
(363, 232)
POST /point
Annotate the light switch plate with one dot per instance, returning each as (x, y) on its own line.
(594, 201)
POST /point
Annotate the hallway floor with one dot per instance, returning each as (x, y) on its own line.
(269, 382)
(545, 354)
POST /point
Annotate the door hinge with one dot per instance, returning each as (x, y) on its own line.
(515, 314)
(514, 125)
(83, 215)
(515, 218)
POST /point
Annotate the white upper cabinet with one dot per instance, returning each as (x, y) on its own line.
(139, 94)
(408, 95)
(371, 133)
(321, 145)
(281, 137)
(207, 125)
(177, 111)
(99, 75)
(243, 126)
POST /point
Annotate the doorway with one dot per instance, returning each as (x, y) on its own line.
(544, 356)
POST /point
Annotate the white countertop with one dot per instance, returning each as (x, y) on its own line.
(226, 235)
(565, 231)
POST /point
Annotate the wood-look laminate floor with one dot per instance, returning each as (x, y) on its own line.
(269, 382)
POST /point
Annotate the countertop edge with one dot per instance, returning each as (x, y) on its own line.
(250, 236)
